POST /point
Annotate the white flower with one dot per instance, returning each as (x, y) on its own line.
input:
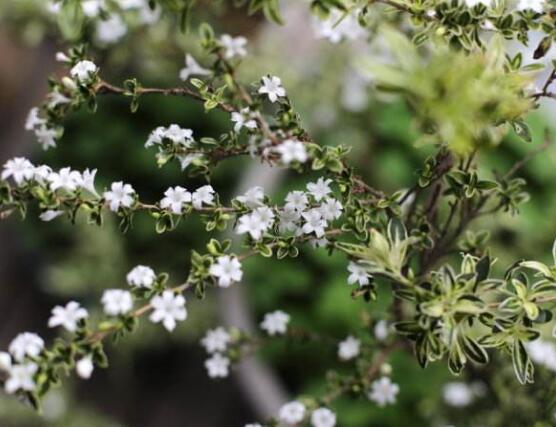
(175, 198)
(67, 316)
(534, 5)
(358, 274)
(56, 98)
(323, 417)
(192, 68)
(297, 200)
(251, 224)
(50, 215)
(383, 392)
(168, 308)
(62, 57)
(381, 330)
(84, 71)
(41, 173)
(243, 119)
(227, 269)
(186, 159)
(46, 137)
(120, 195)
(21, 378)
(116, 301)
(252, 198)
(26, 344)
(88, 181)
(331, 209)
(313, 222)
(85, 367)
(20, 169)
(33, 119)
(203, 195)
(292, 413)
(216, 340)
(292, 151)
(275, 323)
(272, 87)
(141, 276)
(349, 348)
(265, 215)
(65, 179)
(110, 30)
(5, 361)
(218, 366)
(320, 189)
(457, 394)
(156, 136)
(179, 135)
(91, 8)
(233, 46)
(288, 220)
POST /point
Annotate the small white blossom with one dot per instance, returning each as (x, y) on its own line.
(41, 173)
(21, 377)
(46, 137)
(358, 274)
(227, 269)
(111, 30)
(272, 87)
(275, 323)
(85, 367)
(88, 181)
(252, 198)
(156, 137)
(251, 224)
(20, 169)
(242, 119)
(292, 413)
(116, 302)
(179, 135)
(26, 344)
(216, 340)
(265, 215)
(175, 198)
(192, 68)
(457, 394)
(84, 71)
(349, 348)
(320, 189)
(65, 179)
(56, 98)
(33, 119)
(186, 159)
(168, 308)
(297, 200)
(381, 330)
(534, 5)
(67, 316)
(203, 195)
(314, 223)
(383, 392)
(323, 417)
(292, 151)
(62, 57)
(233, 46)
(141, 276)
(5, 361)
(218, 366)
(288, 220)
(119, 196)
(331, 209)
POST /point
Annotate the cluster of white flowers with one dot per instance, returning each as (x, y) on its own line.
(303, 213)
(358, 274)
(293, 413)
(216, 342)
(383, 391)
(45, 135)
(227, 270)
(338, 26)
(22, 350)
(349, 348)
(175, 198)
(180, 138)
(275, 323)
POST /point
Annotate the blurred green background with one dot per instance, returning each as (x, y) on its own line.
(158, 379)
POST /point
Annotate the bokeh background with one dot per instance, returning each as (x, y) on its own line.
(158, 379)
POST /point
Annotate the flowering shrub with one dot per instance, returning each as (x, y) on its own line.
(466, 91)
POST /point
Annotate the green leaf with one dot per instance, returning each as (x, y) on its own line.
(522, 364)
